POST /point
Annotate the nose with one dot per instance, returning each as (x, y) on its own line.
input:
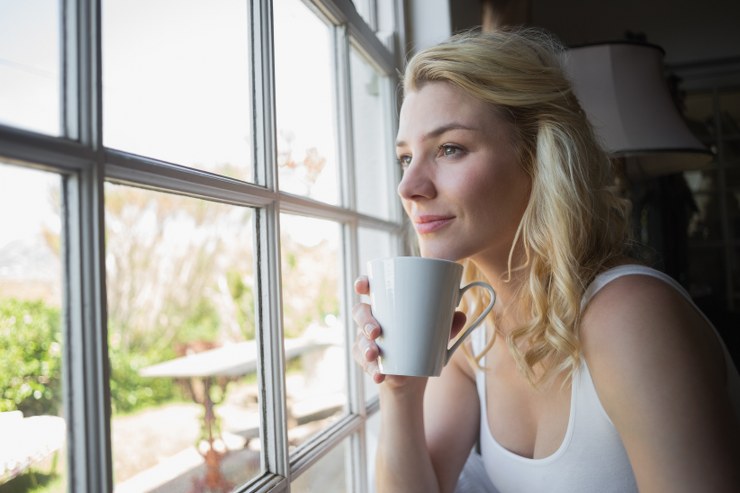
(417, 182)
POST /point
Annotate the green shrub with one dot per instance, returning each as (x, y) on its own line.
(31, 365)
(129, 390)
(30, 357)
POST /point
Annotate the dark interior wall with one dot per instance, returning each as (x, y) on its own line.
(688, 30)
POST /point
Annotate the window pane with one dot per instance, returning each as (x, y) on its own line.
(311, 271)
(372, 154)
(729, 103)
(180, 284)
(699, 111)
(32, 425)
(372, 244)
(704, 222)
(29, 65)
(328, 475)
(372, 431)
(706, 279)
(304, 90)
(176, 82)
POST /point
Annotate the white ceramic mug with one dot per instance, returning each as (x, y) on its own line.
(414, 299)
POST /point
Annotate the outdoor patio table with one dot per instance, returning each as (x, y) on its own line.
(229, 360)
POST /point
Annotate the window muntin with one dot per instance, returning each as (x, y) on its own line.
(32, 397)
(305, 103)
(176, 83)
(366, 10)
(181, 323)
(29, 65)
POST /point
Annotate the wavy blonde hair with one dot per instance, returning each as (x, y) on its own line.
(576, 222)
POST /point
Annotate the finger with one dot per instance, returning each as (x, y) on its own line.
(458, 322)
(365, 353)
(364, 350)
(365, 321)
(374, 371)
(362, 285)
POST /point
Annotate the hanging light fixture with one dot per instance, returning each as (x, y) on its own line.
(622, 90)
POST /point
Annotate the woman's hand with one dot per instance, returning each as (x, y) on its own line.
(365, 351)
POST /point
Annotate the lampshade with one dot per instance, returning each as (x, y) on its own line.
(622, 90)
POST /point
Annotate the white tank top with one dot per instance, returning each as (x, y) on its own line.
(591, 457)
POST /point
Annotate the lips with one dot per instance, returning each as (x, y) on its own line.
(430, 223)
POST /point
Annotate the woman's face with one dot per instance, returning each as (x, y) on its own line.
(463, 187)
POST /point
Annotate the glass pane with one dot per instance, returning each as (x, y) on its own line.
(730, 115)
(316, 369)
(372, 431)
(29, 65)
(304, 91)
(328, 475)
(176, 83)
(372, 151)
(701, 181)
(699, 113)
(184, 396)
(372, 244)
(733, 213)
(33, 451)
(706, 282)
(704, 221)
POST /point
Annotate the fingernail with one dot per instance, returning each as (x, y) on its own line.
(370, 329)
(367, 354)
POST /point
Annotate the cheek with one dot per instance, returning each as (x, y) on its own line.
(500, 196)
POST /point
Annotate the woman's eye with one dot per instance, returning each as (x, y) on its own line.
(448, 150)
(404, 161)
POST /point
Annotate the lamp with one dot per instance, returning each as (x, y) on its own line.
(622, 90)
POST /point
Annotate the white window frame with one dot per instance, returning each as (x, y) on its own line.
(85, 164)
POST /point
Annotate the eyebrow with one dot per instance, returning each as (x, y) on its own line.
(441, 130)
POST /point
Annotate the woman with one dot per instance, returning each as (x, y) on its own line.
(594, 373)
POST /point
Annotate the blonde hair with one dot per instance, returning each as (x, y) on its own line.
(576, 222)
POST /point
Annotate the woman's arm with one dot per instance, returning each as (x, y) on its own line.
(428, 426)
(660, 374)
(423, 446)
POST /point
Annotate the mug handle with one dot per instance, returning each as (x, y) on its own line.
(478, 320)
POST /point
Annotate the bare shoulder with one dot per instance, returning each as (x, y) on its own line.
(639, 317)
(659, 371)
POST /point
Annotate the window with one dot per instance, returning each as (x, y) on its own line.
(187, 191)
(713, 276)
